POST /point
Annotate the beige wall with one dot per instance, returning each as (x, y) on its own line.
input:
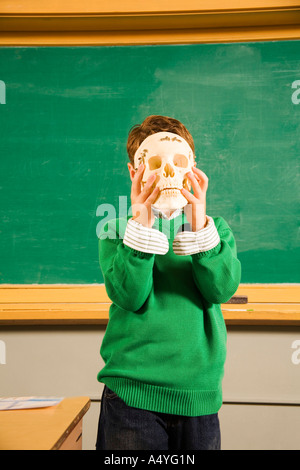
(261, 386)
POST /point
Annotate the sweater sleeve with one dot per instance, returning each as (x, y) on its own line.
(189, 243)
(127, 272)
(217, 272)
(146, 239)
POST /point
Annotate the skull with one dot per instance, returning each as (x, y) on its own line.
(170, 157)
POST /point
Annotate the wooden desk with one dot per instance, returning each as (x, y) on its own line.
(57, 427)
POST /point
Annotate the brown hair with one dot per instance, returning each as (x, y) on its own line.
(151, 125)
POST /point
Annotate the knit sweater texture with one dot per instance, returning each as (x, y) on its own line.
(165, 343)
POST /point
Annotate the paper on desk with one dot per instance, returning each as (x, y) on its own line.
(22, 403)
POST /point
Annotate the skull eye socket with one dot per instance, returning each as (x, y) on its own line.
(181, 161)
(154, 162)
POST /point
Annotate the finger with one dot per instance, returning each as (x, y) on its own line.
(189, 196)
(136, 182)
(148, 188)
(153, 196)
(201, 177)
(195, 184)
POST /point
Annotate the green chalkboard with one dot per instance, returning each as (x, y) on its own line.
(65, 113)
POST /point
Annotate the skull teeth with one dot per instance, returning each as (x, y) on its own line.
(170, 192)
(168, 189)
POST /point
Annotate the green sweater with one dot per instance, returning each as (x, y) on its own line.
(165, 344)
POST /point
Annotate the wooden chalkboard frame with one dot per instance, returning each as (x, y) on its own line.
(79, 23)
(266, 304)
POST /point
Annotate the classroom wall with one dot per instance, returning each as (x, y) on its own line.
(261, 385)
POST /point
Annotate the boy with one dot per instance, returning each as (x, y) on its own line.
(166, 269)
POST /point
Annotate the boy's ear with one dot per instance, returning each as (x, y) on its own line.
(131, 171)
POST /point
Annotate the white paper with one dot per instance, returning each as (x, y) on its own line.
(22, 403)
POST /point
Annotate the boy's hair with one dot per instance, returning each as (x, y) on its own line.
(151, 125)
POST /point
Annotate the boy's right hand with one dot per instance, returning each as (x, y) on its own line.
(141, 200)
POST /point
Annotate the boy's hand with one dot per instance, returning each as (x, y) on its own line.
(141, 200)
(195, 210)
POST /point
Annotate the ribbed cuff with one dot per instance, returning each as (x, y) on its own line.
(190, 243)
(145, 239)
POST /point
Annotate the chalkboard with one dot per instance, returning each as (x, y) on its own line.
(65, 113)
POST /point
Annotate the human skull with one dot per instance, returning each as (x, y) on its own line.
(170, 157)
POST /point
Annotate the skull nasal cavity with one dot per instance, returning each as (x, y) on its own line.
(168, 171)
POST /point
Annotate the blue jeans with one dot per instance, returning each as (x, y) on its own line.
(123, 427)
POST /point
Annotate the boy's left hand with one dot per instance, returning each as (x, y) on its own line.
(195, 210)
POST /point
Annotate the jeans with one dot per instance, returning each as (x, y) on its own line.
(123, 427)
